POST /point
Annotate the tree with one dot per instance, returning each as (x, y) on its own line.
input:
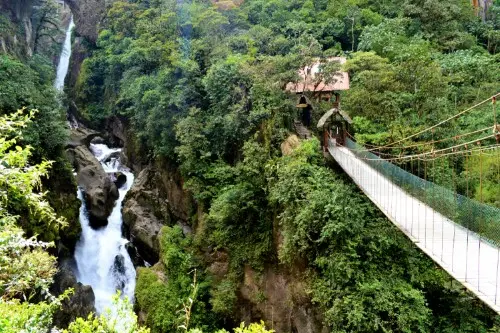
(161, 290)
(30, 85)
(442, 22)
(26, 268)
(374, 88)
(46, 27)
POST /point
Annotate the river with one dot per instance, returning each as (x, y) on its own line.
(101, 257)
(102, 260)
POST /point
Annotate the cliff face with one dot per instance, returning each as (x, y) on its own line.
(15, 27)
(88, 15)
(27, 27)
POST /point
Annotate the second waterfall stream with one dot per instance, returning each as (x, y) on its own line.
(101, 256)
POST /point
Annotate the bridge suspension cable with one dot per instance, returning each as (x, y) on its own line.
(419, 144)
(434, 152)
(431, 153)
(389, 145)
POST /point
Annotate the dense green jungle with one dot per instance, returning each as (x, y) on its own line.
(235, 224)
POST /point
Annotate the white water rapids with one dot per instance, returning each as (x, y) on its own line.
(101, 257)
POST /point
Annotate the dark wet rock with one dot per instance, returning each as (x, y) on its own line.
(119, 264)
(63, 251)
(119, 271)
(100, 192)
(97, 140)
(79, 304)
(116, 155)
(117, 131)
(120, 179)
(137, 260)
(119, 135)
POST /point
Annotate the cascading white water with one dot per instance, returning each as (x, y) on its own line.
(101, 257)
(62, 67)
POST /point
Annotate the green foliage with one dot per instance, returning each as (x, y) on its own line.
(19, 180)
(470, 73)
(121, 320)
(252, 328)
(30, 85)
(24, 317)
(224, 297)
(442, 22)
(368, 277)
(161, 290)
(26, 268)
(484, 176)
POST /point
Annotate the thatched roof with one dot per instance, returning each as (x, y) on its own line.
(331, 113)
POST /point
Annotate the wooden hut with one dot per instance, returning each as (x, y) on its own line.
(314, 85)
(334, 124)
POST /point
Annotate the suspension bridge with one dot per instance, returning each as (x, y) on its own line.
(460, 234)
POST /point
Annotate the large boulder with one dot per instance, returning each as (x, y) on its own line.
(100, 192)
(143, 216)
(134, 255)
(79, 304)
(81, 136)
(120, 179)
(157, 198)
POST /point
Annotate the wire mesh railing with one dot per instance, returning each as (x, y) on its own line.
(471, 214)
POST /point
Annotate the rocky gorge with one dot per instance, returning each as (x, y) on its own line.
(157, 198)
(182, 186)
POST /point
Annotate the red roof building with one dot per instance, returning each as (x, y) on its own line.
(320, 86)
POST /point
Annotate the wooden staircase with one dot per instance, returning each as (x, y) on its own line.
(301, 130)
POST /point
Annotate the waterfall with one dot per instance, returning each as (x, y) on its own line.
(62, 67)
(101, 256)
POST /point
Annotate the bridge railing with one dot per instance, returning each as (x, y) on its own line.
(471, 214)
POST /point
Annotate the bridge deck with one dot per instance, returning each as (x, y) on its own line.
(461, 252)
